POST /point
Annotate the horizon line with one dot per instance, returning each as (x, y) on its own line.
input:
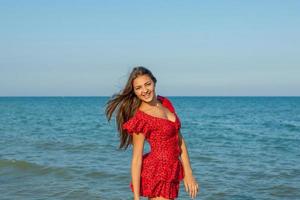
(165, 95)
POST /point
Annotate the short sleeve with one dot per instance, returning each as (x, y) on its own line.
(137, 125)
(168, 104)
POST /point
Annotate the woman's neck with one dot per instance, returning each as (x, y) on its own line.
(152, 104)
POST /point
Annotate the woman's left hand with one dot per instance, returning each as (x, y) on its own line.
(191, 185)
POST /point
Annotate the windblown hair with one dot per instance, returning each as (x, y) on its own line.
(125, 103)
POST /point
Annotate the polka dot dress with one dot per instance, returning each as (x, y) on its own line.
(162, 169)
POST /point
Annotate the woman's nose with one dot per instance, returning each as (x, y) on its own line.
(145, 90)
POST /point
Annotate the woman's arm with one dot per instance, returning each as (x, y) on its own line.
(136, 163)
(185, 156)
(190, 182)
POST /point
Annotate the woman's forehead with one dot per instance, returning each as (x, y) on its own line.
(140, 80)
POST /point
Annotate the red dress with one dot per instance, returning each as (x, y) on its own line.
(161, 170)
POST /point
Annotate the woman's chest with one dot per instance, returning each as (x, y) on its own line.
(163, 130)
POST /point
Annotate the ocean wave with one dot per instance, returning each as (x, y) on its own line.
(282, 125)
(23, 166)
(26, 166)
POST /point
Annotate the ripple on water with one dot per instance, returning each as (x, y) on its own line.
(21, 166)
(282, 190)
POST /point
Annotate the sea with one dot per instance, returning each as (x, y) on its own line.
(240, 148)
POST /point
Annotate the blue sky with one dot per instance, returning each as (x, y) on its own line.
(198, 48)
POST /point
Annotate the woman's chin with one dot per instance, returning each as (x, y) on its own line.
(149, 99)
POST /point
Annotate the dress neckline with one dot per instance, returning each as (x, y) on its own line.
(158, 117)
(161, 100)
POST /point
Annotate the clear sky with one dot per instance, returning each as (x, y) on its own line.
(197, 48)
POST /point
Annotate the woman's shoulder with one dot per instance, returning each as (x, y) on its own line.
(137, 124)
(135, 117)
(166, 102)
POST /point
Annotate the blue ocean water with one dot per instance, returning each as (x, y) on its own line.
(63, 148)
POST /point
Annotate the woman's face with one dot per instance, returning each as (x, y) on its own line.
(144, 88)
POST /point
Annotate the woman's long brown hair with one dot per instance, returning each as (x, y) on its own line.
(125, 103)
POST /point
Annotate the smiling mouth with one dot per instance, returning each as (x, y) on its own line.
(147, 95)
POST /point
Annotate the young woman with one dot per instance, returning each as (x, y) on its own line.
(142, 115)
